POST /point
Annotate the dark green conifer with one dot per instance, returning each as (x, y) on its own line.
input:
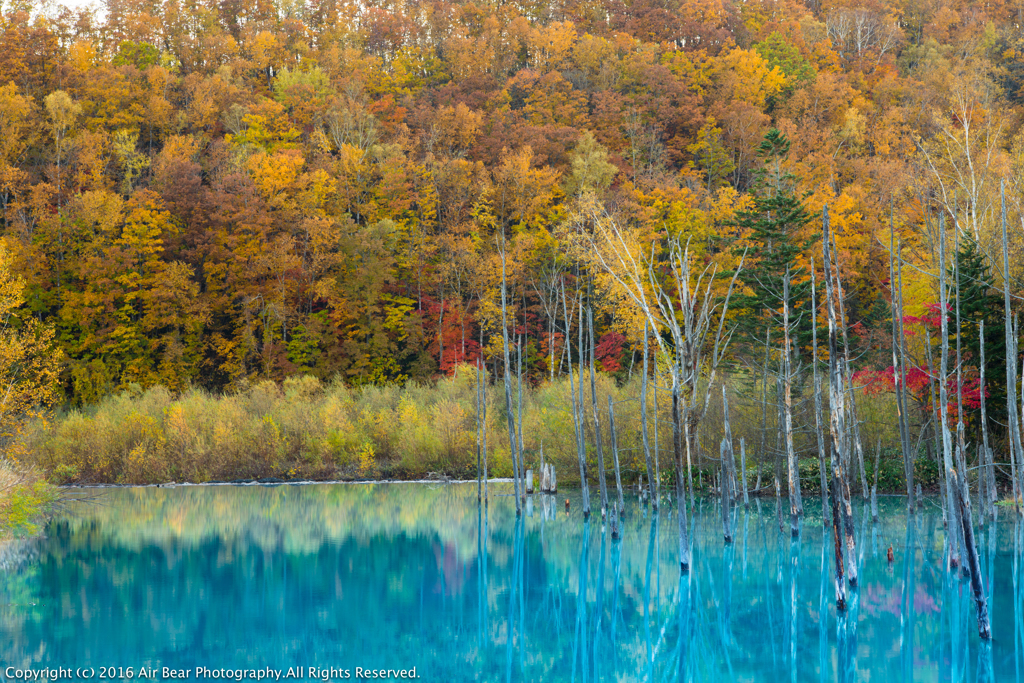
(772, 228)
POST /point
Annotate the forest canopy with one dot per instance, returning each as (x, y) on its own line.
(213, 193)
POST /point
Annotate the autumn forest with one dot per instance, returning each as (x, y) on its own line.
(209, 195)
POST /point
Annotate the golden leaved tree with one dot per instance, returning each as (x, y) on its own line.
(30, 360)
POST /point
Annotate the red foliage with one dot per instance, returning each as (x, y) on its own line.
(608, 352)
(884, 381)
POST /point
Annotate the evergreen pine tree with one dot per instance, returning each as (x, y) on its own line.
(979, 300)
(771, 228)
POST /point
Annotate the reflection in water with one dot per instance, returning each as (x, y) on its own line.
(415, 575)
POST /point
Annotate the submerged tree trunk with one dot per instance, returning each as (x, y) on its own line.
(657, 461)
(964, 510)
(730, 463)
(947, 441)
(726, 492)
(853, 429)
(837, 544)
(577, 425)
(937, 422)
(795, 502)
(483, 417)
(519, 416)
(764, 409)
(1011, 367)
(874, 485)
(728, 470)
(621, 506)
(677, 447)
(837, 408)
(988, 471)
(479, 450)
(901, 394)
(597, 419)
(651, 481)
(513, 442)
(817, 398)
(743, 470)
(899, 371)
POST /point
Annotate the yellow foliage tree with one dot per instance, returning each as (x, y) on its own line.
(29, 358)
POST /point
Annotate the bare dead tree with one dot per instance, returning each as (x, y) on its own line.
(664, 290)
(964, 513)
(947, 441)
(652, 482)
(817, 397)
(513, 442)
(795, 503)
(615, 453)
(601, 472)
(988, 504)
(837, 431)
(1016, 451)
(853, 430)
(576, 421)
(728, 478)
(899, 364)
(479, 449)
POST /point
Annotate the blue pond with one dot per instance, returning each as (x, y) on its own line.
(403, 576)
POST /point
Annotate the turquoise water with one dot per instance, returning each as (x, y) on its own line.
(405, 576)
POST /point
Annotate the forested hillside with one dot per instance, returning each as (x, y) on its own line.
(211, 193)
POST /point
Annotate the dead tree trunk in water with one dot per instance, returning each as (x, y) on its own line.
(964, 513)
(795, 502)
(961, 440)
(817, 398)
(726, 489)
(901, 395)
(764, 408)
(683, 308)
(937, 421)
(730, 464)
(988, 472)
(479, 451)
(621, 507)
(853, 429)
(1016, 451)
(519, 417)
(597, 418)
(743, 465)
(677, 447)
(513, 443)
(947, 441)
(898, 362)
(483, 416)
(651, 480)
(728, 471)
(837, 432)
(657, 459)
(576, 422)
(874, 484)
(837, 545)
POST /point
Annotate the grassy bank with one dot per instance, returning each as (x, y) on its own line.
(25, 496)
(304, 429)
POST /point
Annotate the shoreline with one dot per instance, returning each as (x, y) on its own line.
(364, 482)
(302, 482)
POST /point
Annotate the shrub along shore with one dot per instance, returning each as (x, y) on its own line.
(306, 429)
(25, 495)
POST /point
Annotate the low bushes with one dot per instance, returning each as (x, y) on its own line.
(24, 497)
(306, 429)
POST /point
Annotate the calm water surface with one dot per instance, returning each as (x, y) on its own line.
(407, 575)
